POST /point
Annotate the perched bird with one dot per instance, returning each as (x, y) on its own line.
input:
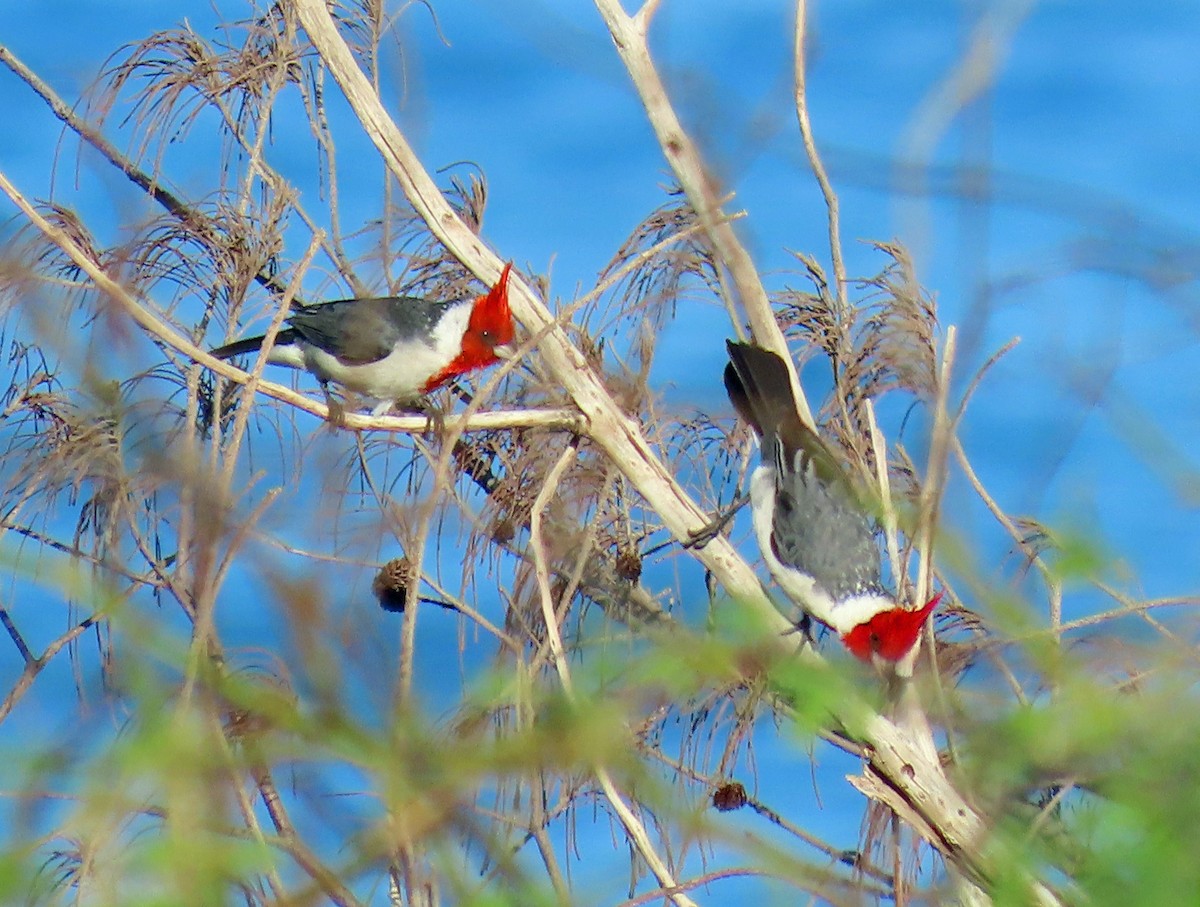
(391, 349)
(813, 527)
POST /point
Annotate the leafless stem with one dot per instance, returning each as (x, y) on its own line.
(537, 546)
(260, 362)
(34, 666)
(326, 880)
(879, 452)
(940, 443)
(631, 823)
(814, 158)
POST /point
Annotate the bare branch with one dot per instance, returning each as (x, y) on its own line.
(606, 424)
(629, 33)
(800, 54)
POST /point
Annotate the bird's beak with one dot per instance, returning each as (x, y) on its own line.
(504, 351)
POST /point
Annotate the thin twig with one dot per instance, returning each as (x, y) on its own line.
(542, 568)
(814, 159)
(321, 875)
(634, 828)
(34, 667)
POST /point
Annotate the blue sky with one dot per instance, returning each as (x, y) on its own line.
(1086, 244)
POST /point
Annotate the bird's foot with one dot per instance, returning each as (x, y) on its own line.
(434, 414)
(337, 411)
(698, 538)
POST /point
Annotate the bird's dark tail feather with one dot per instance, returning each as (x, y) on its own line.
(760, 388)
(252, 344)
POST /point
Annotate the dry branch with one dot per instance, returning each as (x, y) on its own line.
(611, 429)
(904, 765)
(629, 33)
(832, 207)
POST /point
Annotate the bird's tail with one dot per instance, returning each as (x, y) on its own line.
(252, 344)
(760, 389)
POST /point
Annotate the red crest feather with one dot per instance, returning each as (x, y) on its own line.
(889, 635)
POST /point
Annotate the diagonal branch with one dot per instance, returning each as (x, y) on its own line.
(610, 428)
(629, 33)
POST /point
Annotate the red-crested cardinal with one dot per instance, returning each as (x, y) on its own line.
(814, 531)
(391, 349)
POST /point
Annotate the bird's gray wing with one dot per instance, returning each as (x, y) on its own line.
(361, 331)
(820, 528)
(820, 524)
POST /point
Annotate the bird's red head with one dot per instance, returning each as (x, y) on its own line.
(889, 635)
(490, 326)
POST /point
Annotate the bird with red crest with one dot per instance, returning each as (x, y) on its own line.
(391, 349)
(813, 527)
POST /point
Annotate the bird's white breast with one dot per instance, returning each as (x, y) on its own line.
(401, 374)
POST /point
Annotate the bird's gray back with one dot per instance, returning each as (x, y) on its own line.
(820, 528)
(359, 331)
